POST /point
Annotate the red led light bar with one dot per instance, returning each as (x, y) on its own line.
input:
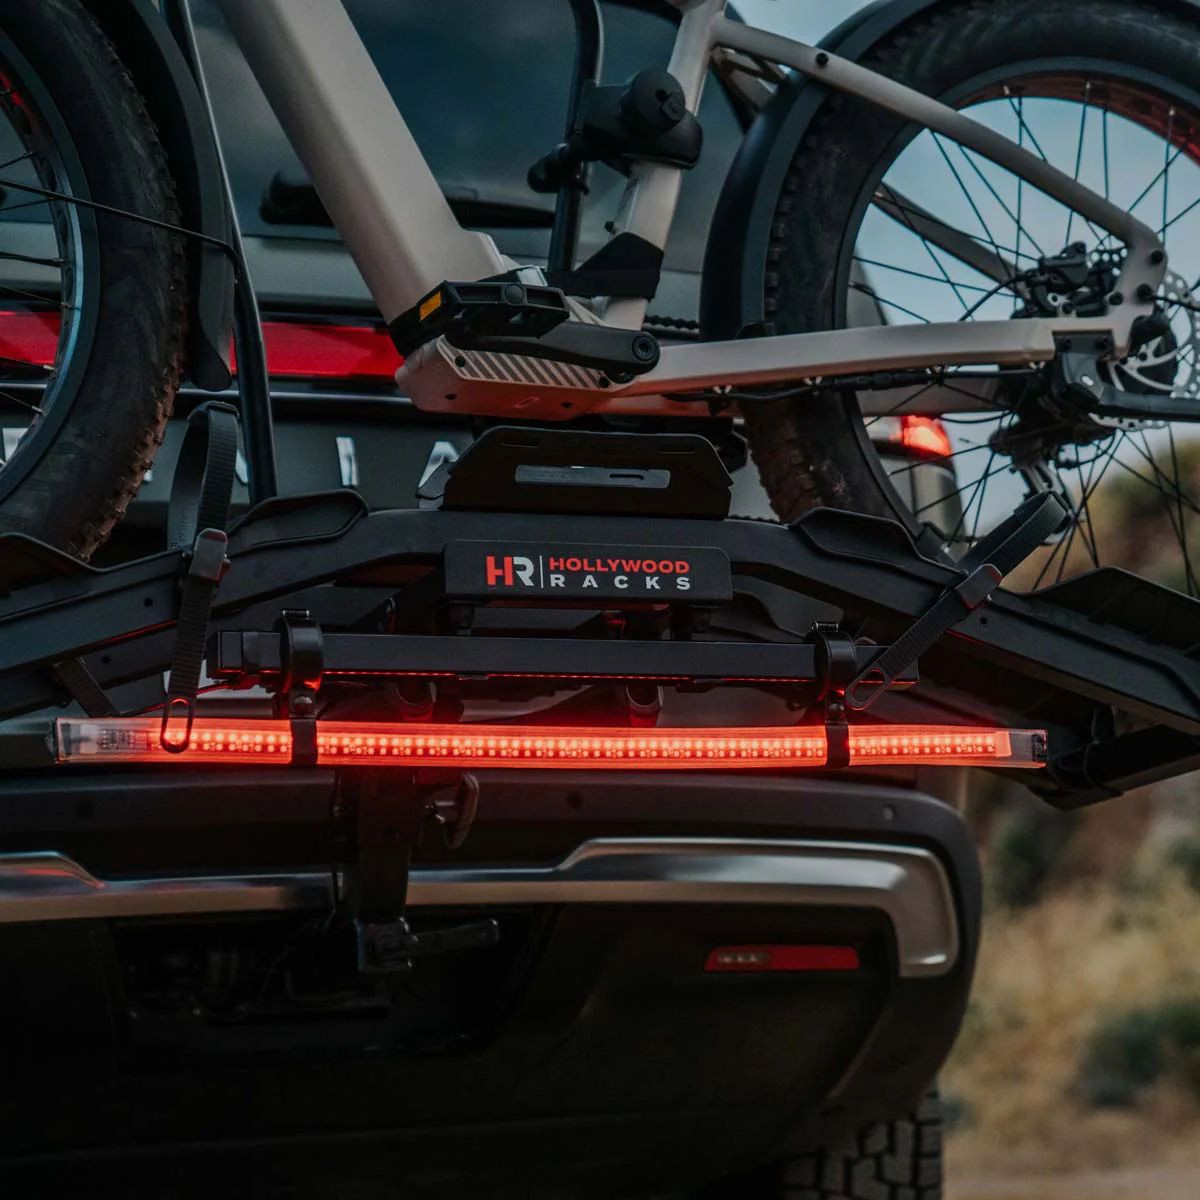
(748, 959)
(136, 740)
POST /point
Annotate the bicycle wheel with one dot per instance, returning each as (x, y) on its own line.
(92, 310)
(881, 220)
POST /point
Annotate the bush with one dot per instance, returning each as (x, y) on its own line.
(1128, 1052)
(1022, 852)
(1184, 855)
(1123, 1056)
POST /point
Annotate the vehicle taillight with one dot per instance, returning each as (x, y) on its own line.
(301, 350)
(29, 337)
(924, 435)
(746, 959)
(136, 739)
(295, 350)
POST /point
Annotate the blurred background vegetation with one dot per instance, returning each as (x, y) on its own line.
(1081, 1048)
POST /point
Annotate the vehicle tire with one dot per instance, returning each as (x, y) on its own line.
(122, 283)
(899, 1160)
(814, 450)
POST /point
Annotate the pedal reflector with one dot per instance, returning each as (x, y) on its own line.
(136, 740)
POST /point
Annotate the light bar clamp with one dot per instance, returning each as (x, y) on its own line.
(302, 657)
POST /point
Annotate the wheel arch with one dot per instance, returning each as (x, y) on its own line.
(160, 70)
(731, 293)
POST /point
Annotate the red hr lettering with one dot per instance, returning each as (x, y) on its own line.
(495, 574)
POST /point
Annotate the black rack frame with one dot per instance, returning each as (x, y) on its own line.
(1066, 659)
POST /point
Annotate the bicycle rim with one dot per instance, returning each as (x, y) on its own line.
(1131, 485)
(48, 257)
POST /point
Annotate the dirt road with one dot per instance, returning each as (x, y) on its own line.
(1132, 1183)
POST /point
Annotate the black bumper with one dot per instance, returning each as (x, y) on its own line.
(591, 1051)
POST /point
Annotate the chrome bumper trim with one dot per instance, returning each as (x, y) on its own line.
(906, 883)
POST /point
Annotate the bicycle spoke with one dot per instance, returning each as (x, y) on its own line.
(1089, 490)
(1104, 127)
(1020, 178)
(969, 197)
(1178, 217)
(991, 473)
(980, 484)
(1182, 525)
(12, 256)
(969, 448)
(1041, 154)
(908, 312)
(982, 497)
(987, 183)
(937, 262)
(870, 262)
(21, 403)
(1166, 171)
(1151, 185)
(12, 162)
(25, 363)
(910, 210)
(1083, 115)
(12, 208)
(1179, 527)
(1157, 482)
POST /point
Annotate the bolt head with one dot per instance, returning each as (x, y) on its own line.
(645, 348)
(302, 705)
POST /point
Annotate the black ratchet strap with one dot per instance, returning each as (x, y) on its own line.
(196, 518)
(73, 675)
(983, 569)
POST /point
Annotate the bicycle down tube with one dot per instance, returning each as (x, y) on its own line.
(384, 199)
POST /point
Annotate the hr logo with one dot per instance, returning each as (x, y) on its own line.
(579, 573)
(509, 568)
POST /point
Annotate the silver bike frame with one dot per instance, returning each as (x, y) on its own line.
(385, 202)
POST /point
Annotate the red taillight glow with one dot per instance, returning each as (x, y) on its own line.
(307, 351)
(136, 739)
(746, 959)
(29, 337)
(925, 435)
(295, 350)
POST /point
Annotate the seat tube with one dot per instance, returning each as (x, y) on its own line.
(648, 209)
(363, 160)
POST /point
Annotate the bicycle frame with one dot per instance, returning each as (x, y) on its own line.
(388, 207)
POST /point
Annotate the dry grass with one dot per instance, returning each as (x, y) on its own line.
(1045, 977)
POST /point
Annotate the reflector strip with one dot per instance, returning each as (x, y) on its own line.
(747, 959)
(136, 739)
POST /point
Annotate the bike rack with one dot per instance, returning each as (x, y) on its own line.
(366, 632)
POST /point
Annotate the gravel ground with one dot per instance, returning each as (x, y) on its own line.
(1132, 1183)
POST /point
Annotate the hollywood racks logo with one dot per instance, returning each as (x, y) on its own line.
(556, 572)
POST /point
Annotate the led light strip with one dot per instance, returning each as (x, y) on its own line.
(136, 740)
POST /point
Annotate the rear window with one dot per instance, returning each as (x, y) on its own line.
(483, 87)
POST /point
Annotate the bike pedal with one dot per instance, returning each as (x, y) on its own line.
(487, 309)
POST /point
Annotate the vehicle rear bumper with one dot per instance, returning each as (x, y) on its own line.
(605, 1035)
(907, 883)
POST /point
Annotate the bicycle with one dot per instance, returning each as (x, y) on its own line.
(1081, 361)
